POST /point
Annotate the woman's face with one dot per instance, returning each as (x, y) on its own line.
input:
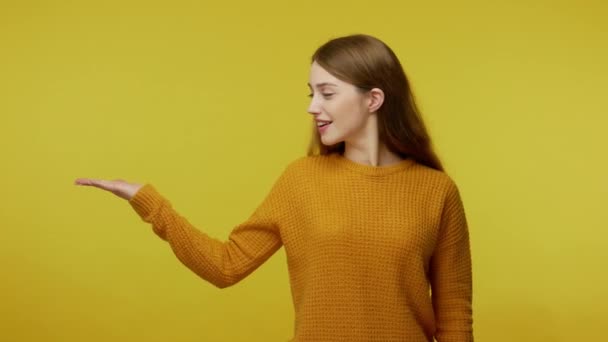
(340, 104)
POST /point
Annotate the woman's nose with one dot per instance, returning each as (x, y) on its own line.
(313, 108)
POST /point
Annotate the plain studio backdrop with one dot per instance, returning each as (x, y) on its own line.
(207, 101)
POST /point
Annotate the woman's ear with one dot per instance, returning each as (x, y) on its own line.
(376, 98)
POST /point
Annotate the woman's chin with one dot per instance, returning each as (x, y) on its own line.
(330, 141)
(326, 141)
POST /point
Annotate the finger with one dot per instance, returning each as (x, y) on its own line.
(83, 181)
(100, 183)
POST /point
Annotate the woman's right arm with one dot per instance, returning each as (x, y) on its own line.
(222, 263)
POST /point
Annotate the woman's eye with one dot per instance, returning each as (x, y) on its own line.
(326, 95)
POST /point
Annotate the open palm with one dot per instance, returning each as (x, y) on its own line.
(118, 187)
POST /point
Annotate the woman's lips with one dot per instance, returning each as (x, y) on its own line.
(323, 128)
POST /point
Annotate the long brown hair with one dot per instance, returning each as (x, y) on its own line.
(366, 62)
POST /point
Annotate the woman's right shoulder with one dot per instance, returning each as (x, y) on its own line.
(305, 166)
(305, 162)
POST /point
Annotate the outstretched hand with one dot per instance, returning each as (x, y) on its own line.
(118, 187)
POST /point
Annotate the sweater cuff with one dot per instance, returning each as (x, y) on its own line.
(146, 201)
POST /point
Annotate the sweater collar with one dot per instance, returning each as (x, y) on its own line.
(370, 169)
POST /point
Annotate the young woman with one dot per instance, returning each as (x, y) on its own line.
(374, 230)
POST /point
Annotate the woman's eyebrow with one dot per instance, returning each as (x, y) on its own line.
(319, 85)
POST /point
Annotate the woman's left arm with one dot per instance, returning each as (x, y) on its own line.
(451, 275)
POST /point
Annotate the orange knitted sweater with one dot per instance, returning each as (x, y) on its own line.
(374, 253)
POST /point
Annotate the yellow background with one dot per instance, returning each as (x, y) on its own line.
(207, 101)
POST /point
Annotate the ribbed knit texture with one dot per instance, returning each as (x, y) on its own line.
(365, 247)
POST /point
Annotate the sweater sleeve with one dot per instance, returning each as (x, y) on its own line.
(451, 276)
(222, 263)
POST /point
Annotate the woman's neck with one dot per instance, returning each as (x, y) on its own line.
(367, 148)
(371, 154)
